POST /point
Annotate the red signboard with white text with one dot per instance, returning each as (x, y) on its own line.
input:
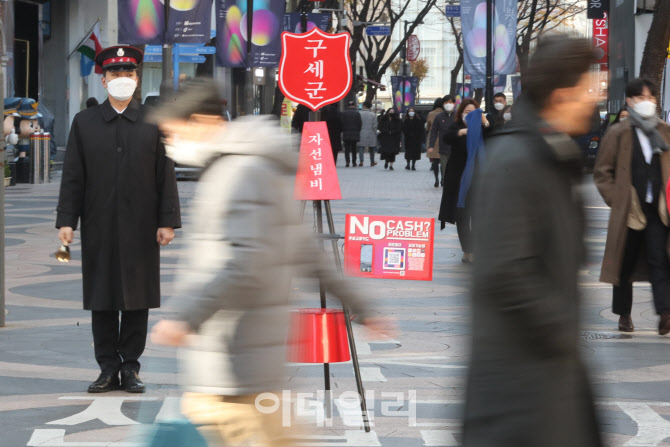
(315, 67)
(317, 177)
(389, 247)
(601, 41)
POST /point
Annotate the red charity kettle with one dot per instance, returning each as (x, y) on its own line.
(318, 336)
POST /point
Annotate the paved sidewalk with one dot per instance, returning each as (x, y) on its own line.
(46, 354)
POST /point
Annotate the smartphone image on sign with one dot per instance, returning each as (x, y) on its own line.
(366, 258)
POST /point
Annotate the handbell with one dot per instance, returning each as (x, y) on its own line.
(63, 253)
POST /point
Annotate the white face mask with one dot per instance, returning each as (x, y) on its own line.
(189, 153)
(411, 113)
(121, 89)
(499, 106)
(507, 116)
(449, 107)
(646, 109)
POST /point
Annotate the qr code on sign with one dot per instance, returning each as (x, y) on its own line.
(394, 258)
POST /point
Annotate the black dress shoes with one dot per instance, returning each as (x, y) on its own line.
(664, 324)
(626, 324)
(107, 381)
(131, 383)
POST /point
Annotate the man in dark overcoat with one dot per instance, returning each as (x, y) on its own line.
(121, 188)
(527, 385)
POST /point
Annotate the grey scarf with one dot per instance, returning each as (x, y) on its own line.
(649, 127)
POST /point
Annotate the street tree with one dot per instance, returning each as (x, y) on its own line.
(655, 52)
(458, 38)
(378, 52)
(536, 17)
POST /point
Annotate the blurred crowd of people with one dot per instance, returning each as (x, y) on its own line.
(511, 185)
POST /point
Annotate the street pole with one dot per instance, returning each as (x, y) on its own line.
(490, 4)
(3, 68)
(405, 70)
(167, 51)
(249, 97)
(340, 17)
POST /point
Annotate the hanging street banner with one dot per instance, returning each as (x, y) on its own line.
(316, 178)
(315, 68)
(473, 23)
(389, 247)
(232, 35)
(140, 22)
(231, 46)
(516, 86)
(600, 38)
(504, 36)
(499, 83)
(596, 9)
(404, 92)
(314, 20)
(189, 21)
(413, 48)
(267, 29)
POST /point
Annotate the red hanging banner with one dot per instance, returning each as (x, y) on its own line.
(601, 41)
(389, 247)
(317, 177)
(315, 67)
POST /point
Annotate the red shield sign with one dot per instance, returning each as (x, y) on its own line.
(315, 68)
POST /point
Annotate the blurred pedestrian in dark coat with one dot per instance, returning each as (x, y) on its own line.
(331, 116)
(413, 128)
(527, 385)
(390, 133)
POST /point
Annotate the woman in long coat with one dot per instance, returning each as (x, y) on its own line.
(456, 137)
(434, 155)
(390, 132)
(413, 128)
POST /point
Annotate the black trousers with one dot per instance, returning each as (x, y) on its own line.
(350, 149)
(119, 348)
(654, 240)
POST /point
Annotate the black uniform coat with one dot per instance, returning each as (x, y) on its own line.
(527, 385)
(414, 131)
(119, 183)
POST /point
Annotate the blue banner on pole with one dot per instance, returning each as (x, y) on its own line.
(404, 92)
(140, 23)
(314, 20)
(267, 29)
(231, 33)
(231, 44)
(189, 22)
(516, 86)
(504, 38)
(473, 24)
(499, 83)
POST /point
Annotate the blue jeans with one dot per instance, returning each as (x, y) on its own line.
(371, 150)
